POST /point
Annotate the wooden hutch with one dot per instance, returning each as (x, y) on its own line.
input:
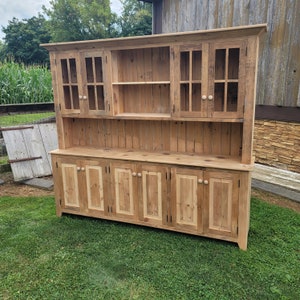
(157, 130)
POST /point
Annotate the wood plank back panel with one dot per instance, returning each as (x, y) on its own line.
(156, 136)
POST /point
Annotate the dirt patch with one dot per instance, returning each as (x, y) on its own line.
(15, 189)
(275, 199)
(11, 188)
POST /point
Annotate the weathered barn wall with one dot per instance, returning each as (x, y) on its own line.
(279, 66)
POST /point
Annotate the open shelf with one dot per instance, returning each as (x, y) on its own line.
(142, 98)
(141, 80)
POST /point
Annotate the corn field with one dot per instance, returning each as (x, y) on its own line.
(24, 84)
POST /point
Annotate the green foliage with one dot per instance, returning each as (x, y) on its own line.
(72, 20)
(136, 18)
(24, 84)
(22, 40)
(19, 119)
(45, 257)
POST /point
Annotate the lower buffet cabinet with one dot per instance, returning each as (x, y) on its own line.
(198, 201)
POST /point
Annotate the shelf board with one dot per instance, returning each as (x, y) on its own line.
(205, 161)
(141, 82)
(226, 80)
(143, 116)
(95, 83)
(190, 81)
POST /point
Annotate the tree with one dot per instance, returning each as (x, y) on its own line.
(72, 20)
(22, 40)
(136, 18)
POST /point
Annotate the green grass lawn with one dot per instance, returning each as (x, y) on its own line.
(45, 257)
(18, 119)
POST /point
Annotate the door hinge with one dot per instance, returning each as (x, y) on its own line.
(246, 54)
(239, 183)
(173, 108)
(168, 175)
(56, 164)
(60, 202)
(107, 169)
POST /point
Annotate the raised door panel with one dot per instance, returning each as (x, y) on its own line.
(226, 80)
(152, 182)
(124, 191)
(95, 187)
(187, 195)
(70, 185)
(221, 209)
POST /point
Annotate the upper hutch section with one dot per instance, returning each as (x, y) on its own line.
(207, 75)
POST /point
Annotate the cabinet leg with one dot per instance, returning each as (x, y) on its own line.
(242, 242)
(58, 211)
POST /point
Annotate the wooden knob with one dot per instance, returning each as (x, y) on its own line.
(78, 169)
(205, 181)
(139, 174)
(200, 180)
(82, 169)
(133, 174)
(204, 97)
(210, 97)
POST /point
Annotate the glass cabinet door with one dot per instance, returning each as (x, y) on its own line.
(82, 76)
(211, 80)
(191, 82)
(70, 93)
(226, 91)
(94, 83)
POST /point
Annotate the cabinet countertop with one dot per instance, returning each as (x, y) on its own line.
(190, 160)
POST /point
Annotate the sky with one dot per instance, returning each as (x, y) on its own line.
(26, 9)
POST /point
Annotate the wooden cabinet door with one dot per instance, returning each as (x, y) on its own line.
(124, 190)
(186, 195)
(97, 187)
(190, 70)
(211, 80)
(81, 185)
(96, 83)
(83, 83)
(220, 211)
(68, 82)
(153, 188)
(70, 184)
(226, 80)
